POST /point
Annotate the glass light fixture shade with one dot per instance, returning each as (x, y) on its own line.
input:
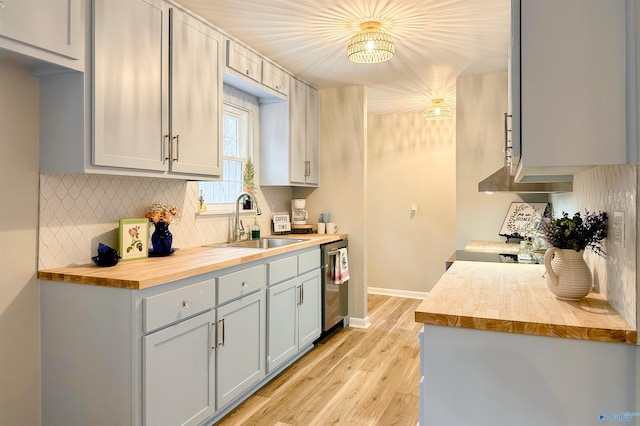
(438, 110)
(371, 44)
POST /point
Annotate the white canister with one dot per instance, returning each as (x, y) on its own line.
(321, 227)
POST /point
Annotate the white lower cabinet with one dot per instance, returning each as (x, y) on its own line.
(181, 353)
(241, 343)
(178, 372)
(294, 317)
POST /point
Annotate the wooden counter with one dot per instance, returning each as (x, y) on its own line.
(184, 263)
(514, 298)
(499, 247)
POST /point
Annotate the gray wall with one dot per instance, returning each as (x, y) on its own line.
(19, 292)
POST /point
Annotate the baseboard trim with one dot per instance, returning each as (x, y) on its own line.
(397, 293)
(359, 322)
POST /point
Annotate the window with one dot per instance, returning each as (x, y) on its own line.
(237, 148)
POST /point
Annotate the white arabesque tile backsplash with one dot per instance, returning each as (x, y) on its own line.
(611, 189)
(77, 211)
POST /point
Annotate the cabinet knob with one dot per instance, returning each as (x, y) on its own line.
(187, 303)
(247, 72)
(244, 283)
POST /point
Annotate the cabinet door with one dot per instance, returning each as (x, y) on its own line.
(244, 61)
(241, 348)
(309, 316)
(53, 25)
(178, 373)
(573, 92)
(275, 78)
(196, 84)
(312, 137)
(130, 72)
(282, 301)
(298, 136)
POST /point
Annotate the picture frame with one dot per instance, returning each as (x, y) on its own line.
(523, 216)
(133, 238)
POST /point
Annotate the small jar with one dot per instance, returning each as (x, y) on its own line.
(525, 253)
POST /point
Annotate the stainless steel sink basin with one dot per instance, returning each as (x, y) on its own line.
(262, 243)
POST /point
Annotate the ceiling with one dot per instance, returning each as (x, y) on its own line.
(436, 42)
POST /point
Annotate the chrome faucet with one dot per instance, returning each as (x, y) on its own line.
(239, 229)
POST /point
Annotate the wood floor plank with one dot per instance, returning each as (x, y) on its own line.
(355, 377)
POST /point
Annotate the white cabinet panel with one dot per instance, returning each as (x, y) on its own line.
(241, 348)
(196, 96)
(244, 61)
(178, 373)
(289, 131)
(309, 315)
(570, 101)
(275, 78)
(52, 25)
(130, 114)
(282, 301)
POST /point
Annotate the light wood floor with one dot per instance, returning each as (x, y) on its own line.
(355, 377)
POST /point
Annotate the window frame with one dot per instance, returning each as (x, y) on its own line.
(245, 116)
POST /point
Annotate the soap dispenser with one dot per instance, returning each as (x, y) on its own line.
(255, 230)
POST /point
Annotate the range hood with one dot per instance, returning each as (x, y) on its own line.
(502, 181)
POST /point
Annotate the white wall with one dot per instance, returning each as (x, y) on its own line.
(20, 391)
(410, 160)
(343, 186)
(481, 102)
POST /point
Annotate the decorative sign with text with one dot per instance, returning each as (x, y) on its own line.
(523, 219)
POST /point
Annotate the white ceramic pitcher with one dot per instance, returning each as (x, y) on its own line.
(568, 276)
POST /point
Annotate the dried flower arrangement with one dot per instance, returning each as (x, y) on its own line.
(576, 233)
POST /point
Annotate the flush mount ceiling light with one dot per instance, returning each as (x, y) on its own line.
(371, 44)
(438, 110)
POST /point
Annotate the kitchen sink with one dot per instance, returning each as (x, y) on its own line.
(262, 243)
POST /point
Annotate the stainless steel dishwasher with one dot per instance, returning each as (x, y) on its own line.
(335, 297)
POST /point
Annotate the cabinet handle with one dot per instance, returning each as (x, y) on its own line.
(177, 138)
(165, 143)
(302, 294)
(213, 342)
(222, 342)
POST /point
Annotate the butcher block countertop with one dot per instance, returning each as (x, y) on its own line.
(492, 247)
(514, 298)
(184, 263)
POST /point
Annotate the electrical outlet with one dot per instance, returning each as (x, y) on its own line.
(616, 229)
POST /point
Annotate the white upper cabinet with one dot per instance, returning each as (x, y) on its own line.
(155, 110)
(255, 74)
(130, 82)
(50, 30)
(289, 150)
(196, 94)
(569, 98)
(275, 78)
(243, 60)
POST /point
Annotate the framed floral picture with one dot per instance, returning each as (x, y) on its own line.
(133, 237)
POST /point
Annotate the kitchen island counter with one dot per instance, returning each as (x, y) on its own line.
(514, 298)
(497, 348)
(145, 273)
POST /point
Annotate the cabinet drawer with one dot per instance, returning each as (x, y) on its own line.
(275, 78)
(244, 61)
(283, 269)
(174, 305)
(236, 284)
(308, 261)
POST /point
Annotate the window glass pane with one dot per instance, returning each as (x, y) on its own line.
(230, 136)
(237, 147)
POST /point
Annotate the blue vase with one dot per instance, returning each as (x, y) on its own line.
(161, 239)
